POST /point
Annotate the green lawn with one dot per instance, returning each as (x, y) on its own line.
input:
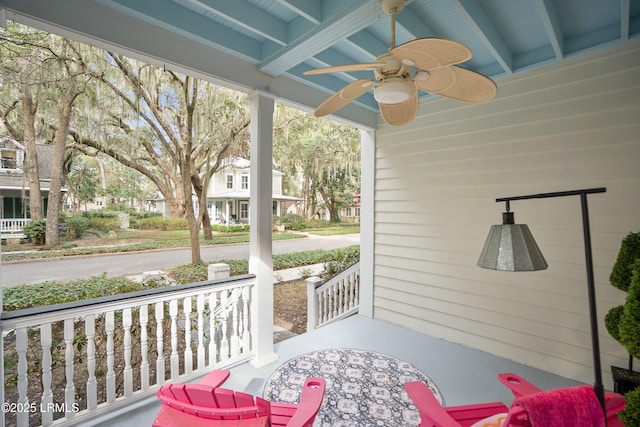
(96, 242)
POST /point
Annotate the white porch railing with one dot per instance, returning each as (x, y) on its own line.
(67, 363)
(333, 300)
(12, 227)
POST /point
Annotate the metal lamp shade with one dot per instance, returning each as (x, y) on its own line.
(511, 247)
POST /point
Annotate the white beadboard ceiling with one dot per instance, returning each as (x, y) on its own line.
(268, 44)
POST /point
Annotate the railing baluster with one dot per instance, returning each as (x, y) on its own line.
(128, 370)
(175, 357)
(334, 300)
(224, 343)
(246, 335)
(356, 291)
(351, 291)
(92, 384)
(325, 307)
(188, 353)
(200, 310)
(213, 348)
(22, 417)
(47, 394)
(160, 373)
(110, 326)
(234, 323)
(144, 347)
(70, 388)
(340, 285)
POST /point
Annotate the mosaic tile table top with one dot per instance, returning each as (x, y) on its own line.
(363, 388)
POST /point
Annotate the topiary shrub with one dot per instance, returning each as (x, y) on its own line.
(631, 415)
(621, 278)
(629, 327)
(612, 321)
(623, 268)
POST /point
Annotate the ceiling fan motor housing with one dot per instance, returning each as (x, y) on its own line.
(388, 6)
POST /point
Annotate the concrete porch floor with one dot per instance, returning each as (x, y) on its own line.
(463, 375)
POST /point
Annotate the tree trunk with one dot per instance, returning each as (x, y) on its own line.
(31, 156)
(194, 231)
(68, 96)
(186, 172)
(203, 213)
(332, 207)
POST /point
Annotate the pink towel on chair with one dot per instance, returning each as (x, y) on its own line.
(563, 407)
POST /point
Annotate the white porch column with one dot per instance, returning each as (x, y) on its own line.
(260, 213)
(367, 216)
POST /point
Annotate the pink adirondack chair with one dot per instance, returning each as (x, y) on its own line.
(433, 414)
(496, 414)
(206, 404)
(614, 402)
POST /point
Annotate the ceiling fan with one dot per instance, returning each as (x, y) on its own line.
(427, 64)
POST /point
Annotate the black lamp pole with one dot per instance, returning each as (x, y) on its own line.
(598, 387)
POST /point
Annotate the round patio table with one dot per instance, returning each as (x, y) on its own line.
(363, 388)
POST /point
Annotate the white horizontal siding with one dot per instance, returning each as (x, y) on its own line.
(571, 126)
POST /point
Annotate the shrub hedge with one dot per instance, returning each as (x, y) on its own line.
(54, 292)
(342, 258)
(160, 223)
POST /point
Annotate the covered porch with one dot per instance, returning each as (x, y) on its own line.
(462, 375)
(429, 187)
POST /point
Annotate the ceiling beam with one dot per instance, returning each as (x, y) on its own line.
(248, 17)
(368, 43)
(625, 13)
(309, 9)
(354, 16)
(549, 16)
(478, 20)
(184, 21)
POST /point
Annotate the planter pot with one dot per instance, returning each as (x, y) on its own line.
(624, 380)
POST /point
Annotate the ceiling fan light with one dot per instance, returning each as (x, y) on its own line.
(393, 92)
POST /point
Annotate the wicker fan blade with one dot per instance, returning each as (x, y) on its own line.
(343, 97)
(346, 68)
(401, 113)
(459, 84)
(439, 79)
(431, 53)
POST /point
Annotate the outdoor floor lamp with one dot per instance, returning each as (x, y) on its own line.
(511, 247)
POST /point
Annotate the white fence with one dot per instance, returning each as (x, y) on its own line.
(336, 299)
(12, 227)
(72, 362)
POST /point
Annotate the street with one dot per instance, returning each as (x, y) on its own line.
(38, 271)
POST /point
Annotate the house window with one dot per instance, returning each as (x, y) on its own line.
(357, 211)
(230, 182)
(8, 159)
(244, 210)
(244, 182)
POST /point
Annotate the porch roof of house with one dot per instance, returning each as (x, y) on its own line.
(266, 46)
(244, 195)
